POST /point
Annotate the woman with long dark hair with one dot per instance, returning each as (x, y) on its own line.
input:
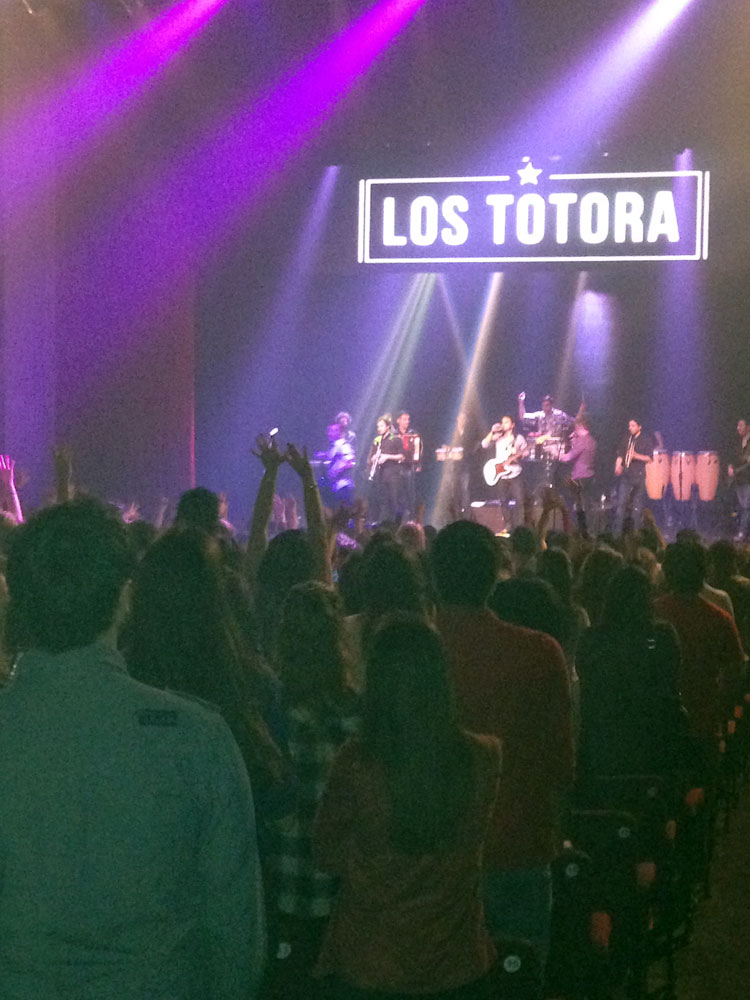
(320, 712)
(182, 636)
(402, 823)
(391, 579)
(597, 570)
(632, 719)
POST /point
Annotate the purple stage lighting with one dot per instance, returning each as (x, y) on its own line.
(81, 108)
(583, 104)
(182, 215)
(687, 411)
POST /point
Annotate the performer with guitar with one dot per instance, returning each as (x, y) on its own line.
(739, 472)
(386, 455)
(504, 470)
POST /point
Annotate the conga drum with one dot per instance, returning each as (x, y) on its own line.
(707, 474)
(657, 475)
(682, 474)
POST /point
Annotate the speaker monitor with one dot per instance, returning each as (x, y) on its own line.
(490, 514)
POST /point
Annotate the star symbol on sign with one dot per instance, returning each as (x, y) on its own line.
(528, 174)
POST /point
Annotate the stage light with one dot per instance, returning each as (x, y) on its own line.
(94, 98)
(390, 375)
(582, 104)
(589, 343)
(36, 7)
(195, 200)
(665, 11)
(134, 10)
(470, 394)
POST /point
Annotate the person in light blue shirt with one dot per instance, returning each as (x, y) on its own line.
(128, 858)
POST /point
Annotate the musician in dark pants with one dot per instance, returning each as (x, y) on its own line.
(635, 452)
(582, 454)
(739, 472)
(505, 470)
(412, 465)
(386, 455)
(464, 443)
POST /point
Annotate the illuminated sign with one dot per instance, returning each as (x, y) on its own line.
(531, 217)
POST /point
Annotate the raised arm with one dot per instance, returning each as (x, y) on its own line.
(317, 530)
(552, 502)
(161, 513)
(647, 516)
(491, 436)
(271, 458)
(521, 405)
(8, 483)
(64, 488)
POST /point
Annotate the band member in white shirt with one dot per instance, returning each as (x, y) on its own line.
(505, 469)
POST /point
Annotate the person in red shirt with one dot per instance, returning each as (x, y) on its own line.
(712, 656)
(510, 682)
(402, 823)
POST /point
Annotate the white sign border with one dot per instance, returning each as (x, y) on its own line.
(701, 235)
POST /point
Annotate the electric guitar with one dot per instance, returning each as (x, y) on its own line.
(494, 471)
(375, 460)
(503, 466)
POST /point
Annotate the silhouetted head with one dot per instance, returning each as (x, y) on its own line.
(66, 572)
(198, 508)
(465, 561)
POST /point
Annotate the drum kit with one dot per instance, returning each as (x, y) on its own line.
(541, 462)
(683, 470)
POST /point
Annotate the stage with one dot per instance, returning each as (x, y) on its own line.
(222, 218)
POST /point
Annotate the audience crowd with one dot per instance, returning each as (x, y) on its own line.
(338, 761)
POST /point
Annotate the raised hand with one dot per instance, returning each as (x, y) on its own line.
(279, 511)
(161, 513)
(8, 485)
(290, 512)
(63, 461)
(299, 461)
(131, 513)
(268, 453)
(7, 472)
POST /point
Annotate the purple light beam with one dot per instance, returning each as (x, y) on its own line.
(80, 109)
(589, 97)
(154, 242)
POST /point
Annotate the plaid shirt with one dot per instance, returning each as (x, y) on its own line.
(315, 734)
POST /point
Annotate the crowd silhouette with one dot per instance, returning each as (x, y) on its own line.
(338, 760)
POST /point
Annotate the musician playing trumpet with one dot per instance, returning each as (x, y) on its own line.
(505, 469)
(386, 455)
